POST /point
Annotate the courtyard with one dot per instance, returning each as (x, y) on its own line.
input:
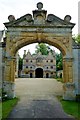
(37, 99)
(37, 87)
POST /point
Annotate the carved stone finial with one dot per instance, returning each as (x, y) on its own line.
(39, 6)
(11, 18)
(67, 18)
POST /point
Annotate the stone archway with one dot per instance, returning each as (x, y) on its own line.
(39, 28)
(39, 73)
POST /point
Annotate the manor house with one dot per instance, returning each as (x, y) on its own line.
(39, 66)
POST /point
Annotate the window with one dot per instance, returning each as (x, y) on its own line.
(51, 72)
(47, 67)
(26, 66)
(51, 60)
(51, 67)
(31, 67)
(47, 61)
(31, 60)
(39, 60)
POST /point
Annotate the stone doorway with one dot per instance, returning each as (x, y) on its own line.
(47, 75)
(39, 73)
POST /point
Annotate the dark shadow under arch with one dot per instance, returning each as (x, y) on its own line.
(39, 73)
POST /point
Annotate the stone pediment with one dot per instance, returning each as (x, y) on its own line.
(39, 18)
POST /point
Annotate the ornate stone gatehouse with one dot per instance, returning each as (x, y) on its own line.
(39, 66)
(36, 28)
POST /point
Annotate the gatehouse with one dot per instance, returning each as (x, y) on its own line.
(40, 27)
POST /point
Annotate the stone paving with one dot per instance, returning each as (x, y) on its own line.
(38, 102)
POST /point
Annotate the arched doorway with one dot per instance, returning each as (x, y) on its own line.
(39, 73)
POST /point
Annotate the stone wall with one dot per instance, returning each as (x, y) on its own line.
(76, 67)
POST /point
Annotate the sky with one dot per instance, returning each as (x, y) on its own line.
(19, 8)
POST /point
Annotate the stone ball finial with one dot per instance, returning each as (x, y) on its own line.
(67, 18)
(50, 17)
(11, 18)
(39, 6)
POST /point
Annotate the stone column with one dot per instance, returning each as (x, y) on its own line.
(8, 84)
(69, 86)
(76, 68)
(67, 69)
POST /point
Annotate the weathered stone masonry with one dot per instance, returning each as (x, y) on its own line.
(38, 28)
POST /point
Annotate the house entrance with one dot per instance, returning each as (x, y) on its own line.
(39, 73)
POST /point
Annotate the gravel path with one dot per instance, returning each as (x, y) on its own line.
(38, 99)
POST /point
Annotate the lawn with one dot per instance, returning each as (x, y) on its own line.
(7, 107)
(59, 80)
(0, 110)
(71, 107)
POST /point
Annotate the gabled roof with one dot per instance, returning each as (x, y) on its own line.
(22, 21)
(39, 18)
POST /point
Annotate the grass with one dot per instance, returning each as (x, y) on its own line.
(7, 106)
(71, 107)
(59, 80)
(0, 110)
(0, 92)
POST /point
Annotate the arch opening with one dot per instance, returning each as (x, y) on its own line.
(39, 73)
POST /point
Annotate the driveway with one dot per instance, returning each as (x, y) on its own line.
(38, 99)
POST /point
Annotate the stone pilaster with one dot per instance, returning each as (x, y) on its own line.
(10, 69)
(69, 86)
(67, 69)
(16, 69)
(8, 84)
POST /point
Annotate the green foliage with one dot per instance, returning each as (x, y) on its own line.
(20, 63)
(7, 106)
(0, 110)
(43, 48)
(77, 38)
(72, 108)
(59, 64)
(59, 80)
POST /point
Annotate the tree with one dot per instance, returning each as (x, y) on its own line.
(43, 48)
(20, 63)
(77, 38)
(59, 64)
